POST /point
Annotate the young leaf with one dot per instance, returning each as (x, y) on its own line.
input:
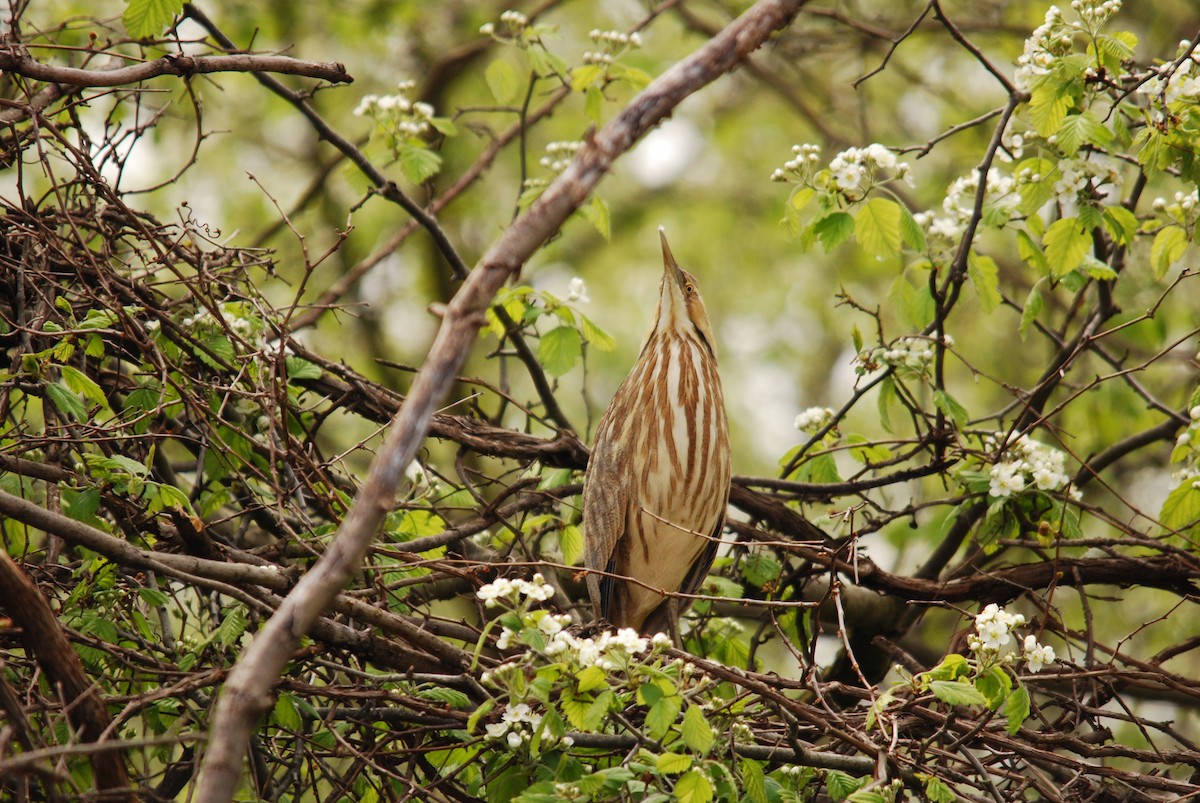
(832, 230)
(417, 163)
(957, 692)
(66, 402)
(1033, 307)
(570, 543)
(1066, 243)
(1016, 709)
(1181, 509)
(985, 276)
(697, 733)
(502, 81)
(693, 787)
(596, 213)
(1169, 245)
(145, 18)
(950, 406)
(673, 763)
(877, 226)
(595, 336)
(559, 349)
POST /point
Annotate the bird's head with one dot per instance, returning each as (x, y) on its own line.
(680, 308)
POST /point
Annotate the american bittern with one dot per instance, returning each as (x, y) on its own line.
(658, 479)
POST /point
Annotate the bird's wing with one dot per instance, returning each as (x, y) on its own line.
(606, 497)
(703, 563)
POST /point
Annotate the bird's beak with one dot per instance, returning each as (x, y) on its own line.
(669, 265)
(668, 257)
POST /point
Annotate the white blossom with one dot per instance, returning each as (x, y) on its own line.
(577, 291)
(813, 419)
(1037, 656)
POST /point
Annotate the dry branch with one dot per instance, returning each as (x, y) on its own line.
(16, 60)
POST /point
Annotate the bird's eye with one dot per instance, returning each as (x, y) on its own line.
(690, 288)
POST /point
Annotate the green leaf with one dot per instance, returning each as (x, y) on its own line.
(913, 236)
(1033, 307)
(985, 276)
(841, 785)
(1121, 224)
(754, 781)
(1098, 270)
(1066, 244)
(503, 81)
(995, 685)
(1169, 245)
(1016, 709)
(1181, 509)
(957, 692)
(145, 18)
(877, 226)
(673, 763)
(937, 791)
(1049, 104)
(596, 212)
(66, 402)
(300, 368)
(819, 468)
(418, 164)
(592, 678)
(82, 384)
(233, 625)
(662, 714)
(1079, 129)
(594, 335)
(867, 452)
(570, 543)
(286, 714)
(760, 568)
(697, 733)
(952, 666)
(914, 305)
(952, 409)
(585, 75)
(833, 230)
(693, 787)
(560, 349)
(593, 104)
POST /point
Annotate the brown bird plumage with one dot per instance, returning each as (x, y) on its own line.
(658, 479)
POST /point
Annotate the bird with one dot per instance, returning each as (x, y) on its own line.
(657, 480)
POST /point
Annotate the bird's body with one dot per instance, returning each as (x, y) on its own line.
(658, 478)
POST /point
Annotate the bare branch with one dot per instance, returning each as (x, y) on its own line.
(15, 59)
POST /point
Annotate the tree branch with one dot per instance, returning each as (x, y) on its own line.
(15, 59)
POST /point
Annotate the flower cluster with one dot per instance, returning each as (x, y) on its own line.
(407, 117)
(1093, 13)
(1179, 83)
(851, 174)
(514, 21)
(993, 632)
(577, 291)
(235, 316)
(1086, 176)
(802, 165)
(559, 155)
(1048, 41)
(911, 352)
(1030, 462)
(517, 724)
(613, 43)
(513, 590)
(1001, 194)
(813, 419)
(1187, 448)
